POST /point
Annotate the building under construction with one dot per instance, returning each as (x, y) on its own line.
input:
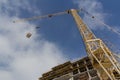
(78, 70)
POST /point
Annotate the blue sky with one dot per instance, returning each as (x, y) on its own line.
(62, 30)
(58, 39)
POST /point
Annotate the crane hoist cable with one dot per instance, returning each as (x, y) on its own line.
(101, 22)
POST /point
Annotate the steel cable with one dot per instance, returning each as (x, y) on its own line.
(101, 22)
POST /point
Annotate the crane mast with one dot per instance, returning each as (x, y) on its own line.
(102, 58)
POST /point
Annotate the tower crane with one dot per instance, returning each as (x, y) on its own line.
(101, 56)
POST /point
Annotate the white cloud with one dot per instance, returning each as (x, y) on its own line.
(5, 75)
(95, 8)
(22, 58)
(15, 6)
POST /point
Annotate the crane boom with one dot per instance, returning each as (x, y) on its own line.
(40, 17)
(102, 58)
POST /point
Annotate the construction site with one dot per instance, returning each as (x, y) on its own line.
(100, 64)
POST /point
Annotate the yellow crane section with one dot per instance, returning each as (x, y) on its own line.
(102, 58)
